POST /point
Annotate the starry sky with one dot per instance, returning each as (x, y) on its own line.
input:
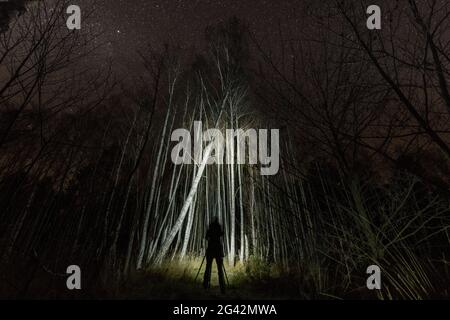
(131, 25)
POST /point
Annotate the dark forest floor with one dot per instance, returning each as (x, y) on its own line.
(176, 281)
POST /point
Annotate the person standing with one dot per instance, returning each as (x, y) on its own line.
(214, 251)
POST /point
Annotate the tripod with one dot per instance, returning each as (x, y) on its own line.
(198, 272)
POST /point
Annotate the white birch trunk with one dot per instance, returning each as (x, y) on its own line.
(143, 243)
(184, 210)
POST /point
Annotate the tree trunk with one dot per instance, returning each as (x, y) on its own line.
(184, 210)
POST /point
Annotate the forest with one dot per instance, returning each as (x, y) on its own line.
(86, 176)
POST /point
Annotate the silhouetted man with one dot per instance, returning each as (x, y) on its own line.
(214, 251)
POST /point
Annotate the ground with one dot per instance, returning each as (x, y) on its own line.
(176, 280)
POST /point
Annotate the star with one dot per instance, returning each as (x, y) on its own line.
(181, 23)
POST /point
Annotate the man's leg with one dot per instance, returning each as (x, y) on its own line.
(219, 261)
(207, 276)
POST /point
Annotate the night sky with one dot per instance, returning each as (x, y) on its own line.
(131, 25)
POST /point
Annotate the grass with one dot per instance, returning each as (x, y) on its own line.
(402, 228)
(176, 280)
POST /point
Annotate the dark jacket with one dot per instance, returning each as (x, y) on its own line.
(213, 235)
